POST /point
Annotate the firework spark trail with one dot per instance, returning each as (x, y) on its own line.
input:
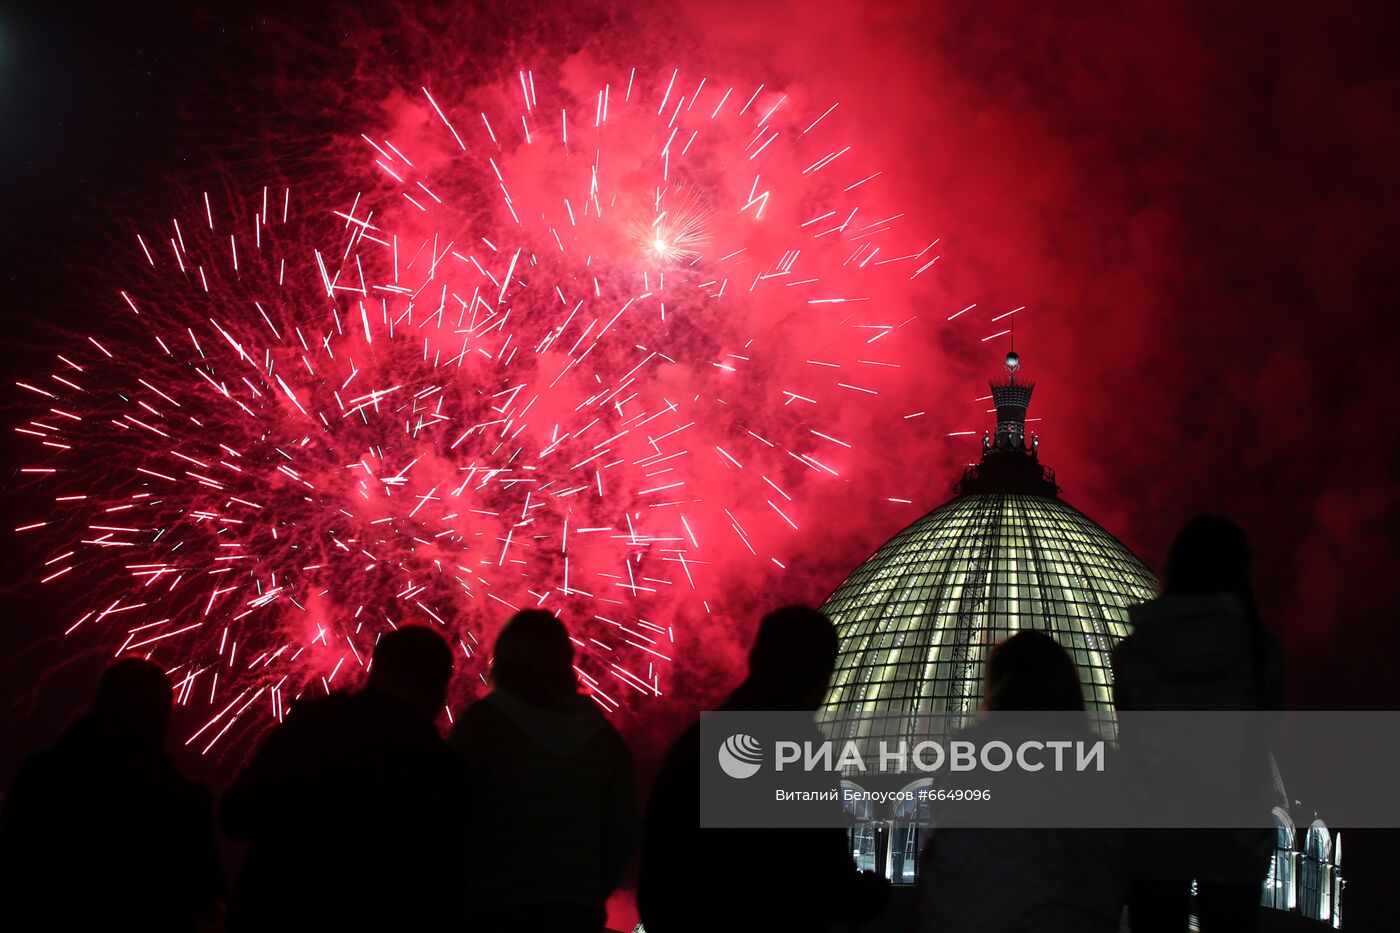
(533, 364)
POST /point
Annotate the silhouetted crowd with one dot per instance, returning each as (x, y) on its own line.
(359, 815)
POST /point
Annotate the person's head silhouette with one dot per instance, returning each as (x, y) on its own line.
(133, 702)
(414, 664)
(1210, 555)
(534, 660)
(1030, 672)
(792, 658)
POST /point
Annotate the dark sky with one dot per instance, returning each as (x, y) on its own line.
(1198, 205)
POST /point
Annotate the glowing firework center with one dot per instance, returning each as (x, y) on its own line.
(918, 618)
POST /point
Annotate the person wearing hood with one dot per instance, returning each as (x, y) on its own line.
(1201, 646)
(554, 789)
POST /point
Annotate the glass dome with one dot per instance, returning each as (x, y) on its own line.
(917, 618)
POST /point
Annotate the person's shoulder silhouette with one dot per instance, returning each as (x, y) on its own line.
(1201, 645)
(366, 780)
(974, 878)
(554, 787)
(101, 830)
(689, 879)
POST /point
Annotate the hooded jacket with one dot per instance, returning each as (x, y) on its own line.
(557, 799)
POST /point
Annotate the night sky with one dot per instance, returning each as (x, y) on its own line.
(1196, 206)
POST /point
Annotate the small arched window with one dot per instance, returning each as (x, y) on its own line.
(1285, 832)
(856, 805)
(908, 807)
(1319, 842)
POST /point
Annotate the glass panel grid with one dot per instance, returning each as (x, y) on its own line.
(1047, 567)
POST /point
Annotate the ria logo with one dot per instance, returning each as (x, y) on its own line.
(740, 756)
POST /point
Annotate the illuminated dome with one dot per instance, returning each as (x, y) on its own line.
(917, 619)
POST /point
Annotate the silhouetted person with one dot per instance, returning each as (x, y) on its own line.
(1201, 646)
(353, 805)
(555, 800)
(101, 832)
(1050, 879)
(796, 880)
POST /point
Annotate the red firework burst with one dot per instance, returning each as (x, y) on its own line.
(567, 349)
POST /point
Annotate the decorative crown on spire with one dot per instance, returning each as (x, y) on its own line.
(1012, 397)
(1010, 462)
